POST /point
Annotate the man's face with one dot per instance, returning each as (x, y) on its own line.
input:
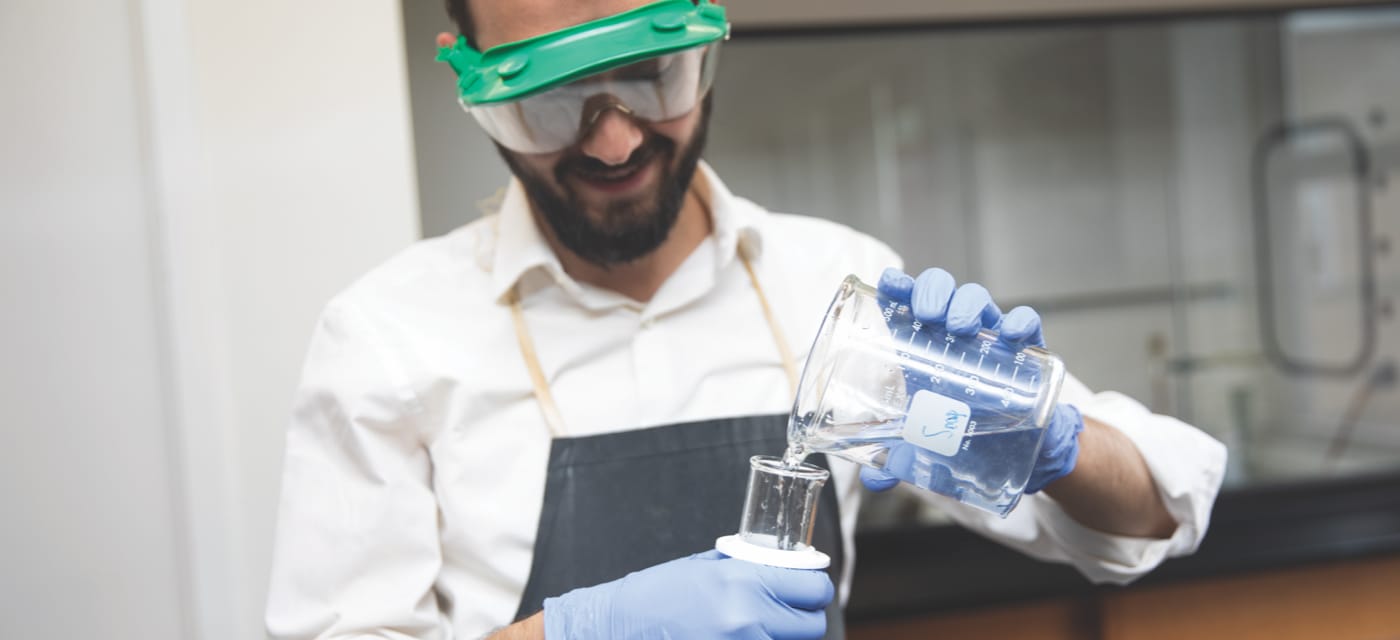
(614, 195)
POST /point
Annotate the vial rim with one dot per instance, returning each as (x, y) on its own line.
(772, 465)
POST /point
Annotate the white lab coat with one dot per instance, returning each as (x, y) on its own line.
(416, 452)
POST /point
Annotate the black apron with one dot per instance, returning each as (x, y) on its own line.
(621, 502)
(616, 503)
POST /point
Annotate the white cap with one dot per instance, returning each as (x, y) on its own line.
(736, 546)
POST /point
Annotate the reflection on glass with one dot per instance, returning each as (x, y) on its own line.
(1110, 175)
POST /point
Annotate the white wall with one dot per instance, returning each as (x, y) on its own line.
(185, 182)
(89, 536)
(299, 140)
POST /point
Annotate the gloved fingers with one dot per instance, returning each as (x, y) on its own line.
(806, 589)
(904, 461)
(900, 460)
(796, 624)
(1062, 433)
(1021, 326)
(972, 309)
(940, 481)
(896, 284)
(710, 554)
(877, 480)
(933, 289)
(1059, 451)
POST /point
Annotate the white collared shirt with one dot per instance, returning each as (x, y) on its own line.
(416, 455)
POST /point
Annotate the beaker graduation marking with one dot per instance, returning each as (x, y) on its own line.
(858, 371)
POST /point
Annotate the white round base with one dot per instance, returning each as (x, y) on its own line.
(736, 547)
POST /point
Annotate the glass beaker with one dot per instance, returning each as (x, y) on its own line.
(962, 416)
(779, 513)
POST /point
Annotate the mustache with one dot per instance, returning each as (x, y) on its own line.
(588, 167)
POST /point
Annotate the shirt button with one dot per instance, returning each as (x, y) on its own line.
(648, 322)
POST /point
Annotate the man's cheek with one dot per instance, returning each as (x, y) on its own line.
(680, 130)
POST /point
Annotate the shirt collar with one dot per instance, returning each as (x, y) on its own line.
(521, 248)
(735, 222)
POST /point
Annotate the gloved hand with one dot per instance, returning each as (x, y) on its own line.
(935, 298)
(707, 595)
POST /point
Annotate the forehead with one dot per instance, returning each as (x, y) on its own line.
(501, 21)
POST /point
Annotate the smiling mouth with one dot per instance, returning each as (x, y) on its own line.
(618, 180)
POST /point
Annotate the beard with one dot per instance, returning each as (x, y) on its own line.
(625, 229)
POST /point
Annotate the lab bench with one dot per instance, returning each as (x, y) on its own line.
(1313, 559)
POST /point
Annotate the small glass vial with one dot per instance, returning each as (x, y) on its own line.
(779, 513)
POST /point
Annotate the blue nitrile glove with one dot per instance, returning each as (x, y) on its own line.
(935, 298)
(707, 595)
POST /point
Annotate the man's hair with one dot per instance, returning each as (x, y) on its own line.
(460, 14)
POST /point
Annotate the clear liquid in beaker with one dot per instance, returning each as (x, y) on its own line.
(991, 479)
(961, 415)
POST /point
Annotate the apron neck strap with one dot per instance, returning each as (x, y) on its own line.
(554, 420)
(784, 351)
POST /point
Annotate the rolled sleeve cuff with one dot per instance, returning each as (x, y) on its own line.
(1187, 466)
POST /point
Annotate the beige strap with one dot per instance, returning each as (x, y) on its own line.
(789, 363)
(701, 192)
(552, 419)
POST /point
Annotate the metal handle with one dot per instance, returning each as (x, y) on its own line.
(1360, 163)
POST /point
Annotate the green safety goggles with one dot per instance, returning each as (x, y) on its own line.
(541, 94)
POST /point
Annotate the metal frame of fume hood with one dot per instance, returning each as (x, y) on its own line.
(1360, 171)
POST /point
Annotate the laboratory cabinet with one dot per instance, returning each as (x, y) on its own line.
(1317, 559)
(799, 14)
(1346, 601)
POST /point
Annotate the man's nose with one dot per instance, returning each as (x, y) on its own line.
(612, 138)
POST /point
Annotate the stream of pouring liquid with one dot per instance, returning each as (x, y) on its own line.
(792, 459)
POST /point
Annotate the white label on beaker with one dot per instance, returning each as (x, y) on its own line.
(937, 423)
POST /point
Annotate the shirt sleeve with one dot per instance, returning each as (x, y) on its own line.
(1186, 464)
(356, 553)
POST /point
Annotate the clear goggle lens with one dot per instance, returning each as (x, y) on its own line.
(655, 90)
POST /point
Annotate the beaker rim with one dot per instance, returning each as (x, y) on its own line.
(775, 466)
